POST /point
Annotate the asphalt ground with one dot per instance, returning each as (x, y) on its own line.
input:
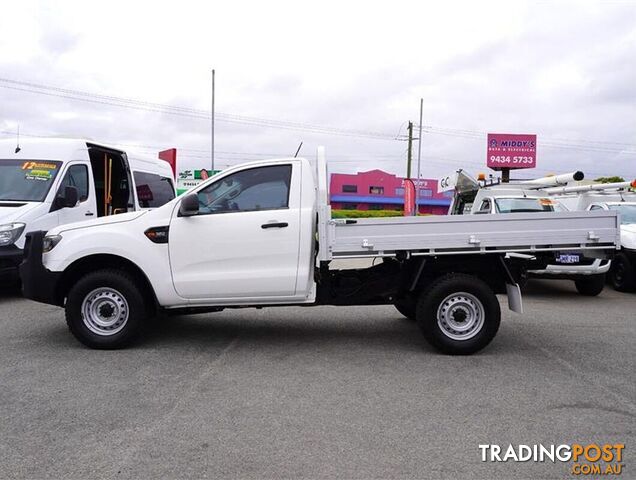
(315, 393)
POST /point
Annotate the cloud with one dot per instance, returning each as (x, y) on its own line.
(563, 71)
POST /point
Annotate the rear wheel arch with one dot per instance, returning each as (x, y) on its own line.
(92, 263)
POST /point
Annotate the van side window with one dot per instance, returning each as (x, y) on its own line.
(153, 190)
(76, 176)
(261, 188)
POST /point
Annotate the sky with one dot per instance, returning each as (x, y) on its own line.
(344, 74)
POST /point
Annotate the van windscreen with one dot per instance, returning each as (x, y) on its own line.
(27, 180)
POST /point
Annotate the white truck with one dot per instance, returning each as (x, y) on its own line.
(610, 196)
(261, 235)
(588, 274)
(46, 182)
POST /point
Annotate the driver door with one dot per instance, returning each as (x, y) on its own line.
(244, 242)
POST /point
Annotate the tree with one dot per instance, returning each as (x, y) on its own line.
(614, 179)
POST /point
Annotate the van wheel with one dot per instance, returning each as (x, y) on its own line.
(406, 306)
(622, 276)
(590, 287)
(458, 314)
(105, 309)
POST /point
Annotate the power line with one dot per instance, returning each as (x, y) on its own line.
(124, 102)
(184, 111)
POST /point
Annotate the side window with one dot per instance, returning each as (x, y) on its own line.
(153, 190)
(76, 176)
(261, 188)
(595, 207)
(485, 206)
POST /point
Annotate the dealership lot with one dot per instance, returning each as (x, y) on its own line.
(315, 392)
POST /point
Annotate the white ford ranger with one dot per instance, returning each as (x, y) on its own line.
(261, 234)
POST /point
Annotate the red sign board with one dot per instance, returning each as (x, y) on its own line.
(409, 197)
(170, 156)
(506, 150)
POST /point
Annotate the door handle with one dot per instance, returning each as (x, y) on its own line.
(89, 214)
(275, 225)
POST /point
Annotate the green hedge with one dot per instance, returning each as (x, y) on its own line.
(365, 213)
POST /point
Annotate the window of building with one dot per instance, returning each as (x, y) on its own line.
(76, 176)
(376, 190)
(375, 206)
(349, 206)
(399, 192)
(349, 189)
(426, 192)
(153, 190)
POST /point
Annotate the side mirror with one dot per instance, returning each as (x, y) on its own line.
(189, 205)
(66, 199)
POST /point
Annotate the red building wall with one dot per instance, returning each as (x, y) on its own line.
(382, 190)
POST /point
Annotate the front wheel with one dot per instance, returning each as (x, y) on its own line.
(105, 309)
(590, 287)
(459, 314)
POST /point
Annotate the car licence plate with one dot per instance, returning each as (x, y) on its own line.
(568, 258)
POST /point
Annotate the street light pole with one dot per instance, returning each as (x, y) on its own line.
(212, 123)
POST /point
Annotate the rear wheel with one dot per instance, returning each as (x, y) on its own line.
(459, 314)
(590, 287)
(622, 276)
(105, 309)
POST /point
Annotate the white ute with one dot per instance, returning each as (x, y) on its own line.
(618, 197)
(588, 274)
(261, 234)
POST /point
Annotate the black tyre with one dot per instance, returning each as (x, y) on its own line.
(590, 287)
(622, 276)
(105, 309)
(406, 307)
(458, 314)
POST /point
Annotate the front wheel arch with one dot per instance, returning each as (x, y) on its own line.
(91, 263)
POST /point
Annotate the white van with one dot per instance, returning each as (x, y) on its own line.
(53, 181)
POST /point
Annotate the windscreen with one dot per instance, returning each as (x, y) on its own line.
(628, 213)
(26, 180)
(520, 205)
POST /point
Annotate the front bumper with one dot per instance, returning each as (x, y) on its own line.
(554, 270)
(10, 259)
(38, 283)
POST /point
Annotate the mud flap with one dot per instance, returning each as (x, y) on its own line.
(515, 302)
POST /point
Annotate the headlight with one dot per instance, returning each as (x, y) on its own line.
(49, 242)
(10, 232)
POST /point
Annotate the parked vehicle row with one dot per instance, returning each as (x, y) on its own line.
(261, 235)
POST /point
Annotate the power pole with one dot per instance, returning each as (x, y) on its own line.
(410, 152)
(419, 161)
(212, 123)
